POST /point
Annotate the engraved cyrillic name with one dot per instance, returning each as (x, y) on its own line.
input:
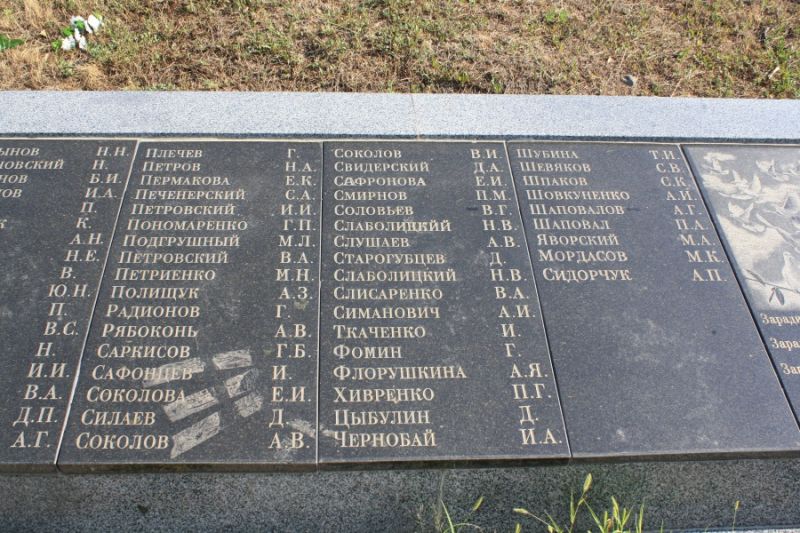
(573, 217)
(632, 279)
(204, 335)
(58, 204)
(427, 299)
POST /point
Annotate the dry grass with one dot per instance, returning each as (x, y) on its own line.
(682, 47)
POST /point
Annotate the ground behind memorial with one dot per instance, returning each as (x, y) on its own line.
(689, 47)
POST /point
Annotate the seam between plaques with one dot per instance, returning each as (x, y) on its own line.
(529, 253)
(739, 282)
(317, 379)
(99, 286)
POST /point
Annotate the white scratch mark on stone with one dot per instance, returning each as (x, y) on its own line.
(173, 371)
(234, 359)
(195, 434)
(194, 403)
(303, 427)
(249, 404)
(329, 433)
(241, 383)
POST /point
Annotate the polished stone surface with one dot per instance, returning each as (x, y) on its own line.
(653, 346)
(753, 193)
(58, 205)
(432, 345)
(203, 346)
(444, 291)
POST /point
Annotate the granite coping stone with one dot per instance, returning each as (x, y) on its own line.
(607, 117)
(202, 113)
(332, 115)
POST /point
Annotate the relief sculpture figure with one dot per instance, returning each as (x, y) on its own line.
(758, 206)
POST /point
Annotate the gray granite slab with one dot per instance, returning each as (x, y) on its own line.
(58, 204)
(677, 495)
(398, 115)
(753, 193)
(607, 117)
(654, 349)
(234, 114)
(202, 351)
(432, 345)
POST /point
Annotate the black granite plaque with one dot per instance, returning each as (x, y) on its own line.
(432, 345)
(653, 346)
(753, 193)
(203, 346)
(58, 203)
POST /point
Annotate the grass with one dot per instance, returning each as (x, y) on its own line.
(617, 519)
(723, 48)
(438, 518)
(581, 516)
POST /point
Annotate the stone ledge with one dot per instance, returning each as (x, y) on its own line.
(335, 115)
(695, 496)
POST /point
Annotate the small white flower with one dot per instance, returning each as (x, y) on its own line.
(76, 34)
(82, 43)
(68, 43)
(93, 23)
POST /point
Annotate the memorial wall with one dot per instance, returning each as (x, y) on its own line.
(260, 305)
